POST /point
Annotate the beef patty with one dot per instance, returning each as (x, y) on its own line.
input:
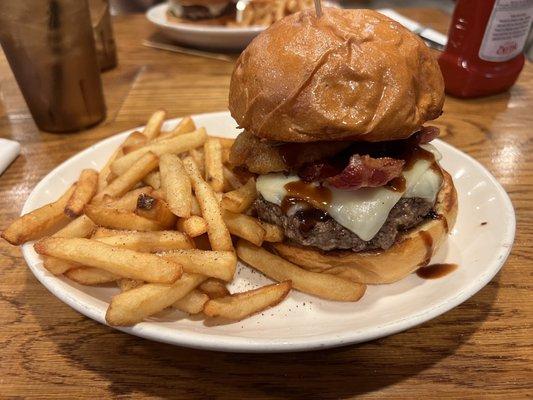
(328, 234)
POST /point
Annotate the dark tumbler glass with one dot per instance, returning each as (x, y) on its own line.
(50, 47)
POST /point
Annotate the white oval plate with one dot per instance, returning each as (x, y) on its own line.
(304, 322)
(204, 36)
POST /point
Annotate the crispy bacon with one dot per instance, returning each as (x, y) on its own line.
(317, 171)
(365, 171)
(361, 171)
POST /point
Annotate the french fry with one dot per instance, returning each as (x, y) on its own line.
(111, 177)
(225, 142)
(175, 145)
(156, 210)
(134, 141)
(241, 305)
(214, 288)
(153, 179)
(215, 264)
(195, 207)
(85, 190)
(326, 286)
(192, 226)
(176, 184)
(186, 125)
(244, 226)
(126, 284)
(120, 219)
(273, 233)
(216, 229)
(101, 232)
(127, 181)
(37, 222)
(230, 179)
(106, 170)
(240, 199)
(192, 303)
(132, 306)
(198, 157)
(91, 276)
(149, 242)
(129, 200)
(80, 227)
(153, 126)
(123, 262)
(213, 164)
(57, 266)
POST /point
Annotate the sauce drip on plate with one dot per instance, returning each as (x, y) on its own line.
(435, 271)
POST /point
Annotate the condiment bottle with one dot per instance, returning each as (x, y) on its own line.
(484, 54)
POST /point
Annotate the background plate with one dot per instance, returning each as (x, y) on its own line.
(204, 36)
(304, 322)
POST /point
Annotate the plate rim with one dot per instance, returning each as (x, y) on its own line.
(153, 330)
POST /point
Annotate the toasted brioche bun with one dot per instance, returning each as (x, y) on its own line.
(350, 75)
(412, 250)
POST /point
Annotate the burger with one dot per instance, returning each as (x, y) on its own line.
(200, 9)
(333, 111)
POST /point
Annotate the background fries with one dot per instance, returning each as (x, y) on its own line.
(157, 222)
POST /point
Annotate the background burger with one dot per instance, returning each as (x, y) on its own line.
(200, 9)
(333, 112)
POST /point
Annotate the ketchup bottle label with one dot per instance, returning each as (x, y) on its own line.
(507, 30)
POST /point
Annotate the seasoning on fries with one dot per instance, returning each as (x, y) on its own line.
(158, 221)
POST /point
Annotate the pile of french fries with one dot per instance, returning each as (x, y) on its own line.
(266, 12)
(160, 221)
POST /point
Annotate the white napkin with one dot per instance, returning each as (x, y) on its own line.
(9, 150)
(415, 27)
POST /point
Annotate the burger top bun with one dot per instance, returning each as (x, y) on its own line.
(349, 75)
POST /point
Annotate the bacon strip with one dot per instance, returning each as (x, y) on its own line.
(365, 171)
(361, 171)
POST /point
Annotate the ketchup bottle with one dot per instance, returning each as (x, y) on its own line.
(485, 43)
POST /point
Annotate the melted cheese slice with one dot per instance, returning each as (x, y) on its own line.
(363, 211)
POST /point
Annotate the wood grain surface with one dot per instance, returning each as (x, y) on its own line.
(481, 349)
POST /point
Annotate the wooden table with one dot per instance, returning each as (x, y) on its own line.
(480, 349)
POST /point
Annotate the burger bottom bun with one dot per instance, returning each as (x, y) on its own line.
(413, 249)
